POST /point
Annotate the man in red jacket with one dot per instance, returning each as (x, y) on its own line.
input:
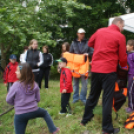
(109, 50)
(66, 87)
(9, 75)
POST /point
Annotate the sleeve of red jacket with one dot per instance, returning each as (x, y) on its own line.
(68, 79)
(92, 40)
(122, 52)
(5, 76)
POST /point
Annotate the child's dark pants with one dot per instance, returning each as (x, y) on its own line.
(130, 92)
(65, 102)
(106, 82)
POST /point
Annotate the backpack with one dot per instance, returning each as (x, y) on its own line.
(120, 93)
(129, 124)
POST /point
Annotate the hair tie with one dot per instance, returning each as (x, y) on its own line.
(20, 67)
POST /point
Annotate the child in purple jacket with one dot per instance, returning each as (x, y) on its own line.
(25, 95)
(130, 59)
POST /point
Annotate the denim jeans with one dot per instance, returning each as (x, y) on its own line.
(83, 93)
(21, 120)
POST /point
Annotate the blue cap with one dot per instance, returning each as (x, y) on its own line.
(12, 56)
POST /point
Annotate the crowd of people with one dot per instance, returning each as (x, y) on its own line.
(106, 49)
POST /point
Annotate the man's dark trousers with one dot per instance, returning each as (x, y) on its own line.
(106, 82)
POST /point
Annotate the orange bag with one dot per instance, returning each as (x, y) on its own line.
(78, 63)
(129, 124)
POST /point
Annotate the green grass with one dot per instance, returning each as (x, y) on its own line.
(50, 100)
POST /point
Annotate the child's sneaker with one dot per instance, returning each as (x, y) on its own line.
(61, 113)
(68, 115)
(56, 131)
(129, 110)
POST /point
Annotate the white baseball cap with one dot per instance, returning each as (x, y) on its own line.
(81, 30)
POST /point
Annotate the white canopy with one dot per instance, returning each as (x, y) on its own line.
(129, 21)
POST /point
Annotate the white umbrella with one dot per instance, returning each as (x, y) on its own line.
(129, 21)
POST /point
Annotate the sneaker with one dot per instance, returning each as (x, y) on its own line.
(82, 124)
(56, 131)
(61, 113)
(84, 103)
(68, 115)
(74, 101)
(116, 130)
(129, 110)
(46, 88)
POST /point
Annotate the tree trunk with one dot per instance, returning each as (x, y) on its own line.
(3, 56)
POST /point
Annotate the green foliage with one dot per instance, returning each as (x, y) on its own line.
(20, 24)
(55, 22)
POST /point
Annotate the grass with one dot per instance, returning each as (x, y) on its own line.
(50, 100)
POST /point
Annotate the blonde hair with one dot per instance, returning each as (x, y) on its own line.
(31, 42)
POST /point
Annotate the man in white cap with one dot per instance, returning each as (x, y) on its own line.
(79, 46)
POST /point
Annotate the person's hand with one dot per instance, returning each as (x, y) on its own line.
(86, 54)
(133, 78)
(5, 84)
(64, 91)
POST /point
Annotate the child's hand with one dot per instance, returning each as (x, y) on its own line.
(5, 84)
(64, 91)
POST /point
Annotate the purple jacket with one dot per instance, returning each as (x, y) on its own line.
(130, 60)
(24, 100)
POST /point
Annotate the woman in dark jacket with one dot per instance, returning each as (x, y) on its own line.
(34, 58)
(45, 67)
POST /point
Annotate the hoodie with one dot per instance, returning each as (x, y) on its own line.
(23, 99)
(130, 60)
(66, 80)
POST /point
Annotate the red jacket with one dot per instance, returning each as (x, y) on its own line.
(66, 80)
(109, 49)
(9, 75)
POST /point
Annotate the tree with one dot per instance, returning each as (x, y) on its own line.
(20, 24)
(101, 11)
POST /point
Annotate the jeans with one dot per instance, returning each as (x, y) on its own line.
(21, 120)
(83, 93)
(130, 92)
(65, 106)
(106, 82)
(44, 72)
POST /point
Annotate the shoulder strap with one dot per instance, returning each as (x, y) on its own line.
(130, 121)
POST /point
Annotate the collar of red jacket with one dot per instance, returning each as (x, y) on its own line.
(114, 27)
(16, 63)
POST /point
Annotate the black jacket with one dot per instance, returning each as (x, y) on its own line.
(47, 60)
(33, 58)
(84, 48)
